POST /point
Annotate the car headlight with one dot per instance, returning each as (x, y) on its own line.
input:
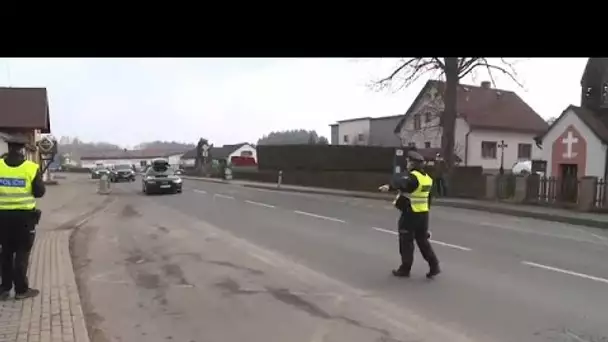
(149, 179)
(177, 180)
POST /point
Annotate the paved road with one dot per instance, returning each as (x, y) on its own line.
(505, 278)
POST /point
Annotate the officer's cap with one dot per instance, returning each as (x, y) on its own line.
(415, 156)
(14, 139)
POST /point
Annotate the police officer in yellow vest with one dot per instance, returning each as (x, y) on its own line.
(413, 200)
(20, 184)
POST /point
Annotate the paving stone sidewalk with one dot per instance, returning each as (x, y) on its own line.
(56, 314)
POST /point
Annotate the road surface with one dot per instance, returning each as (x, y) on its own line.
(504, 278)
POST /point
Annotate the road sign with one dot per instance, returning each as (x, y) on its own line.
(399, 152)
(205, 153)
(46, 145)
(205, 147)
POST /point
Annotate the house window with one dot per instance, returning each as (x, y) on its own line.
(246, 154)
(360, 137)
(411, 144)
(427, 117)
(524, 151)
(417, 121)
(345, 138)
(488, 149)
(427, 144)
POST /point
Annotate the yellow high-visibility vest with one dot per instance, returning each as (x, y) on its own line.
(16, 186)
(419, 199)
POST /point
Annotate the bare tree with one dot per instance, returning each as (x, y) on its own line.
(453, 69)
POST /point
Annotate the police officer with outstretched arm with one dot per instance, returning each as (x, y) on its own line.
(20, 184)
(413, 200)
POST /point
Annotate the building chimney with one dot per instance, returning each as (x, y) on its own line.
(486, 84)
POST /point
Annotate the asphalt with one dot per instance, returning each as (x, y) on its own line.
(547, 213)
(504, 278)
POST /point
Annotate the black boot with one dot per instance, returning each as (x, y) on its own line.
(435, 270)
(401, 273)
(30, 293)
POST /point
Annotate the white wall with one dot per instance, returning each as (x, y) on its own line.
(174, 160)
(188, 162)
(353, 129)
(596, 150)
(430, 131)
(244, 150)
(512, 139)
(88, 163)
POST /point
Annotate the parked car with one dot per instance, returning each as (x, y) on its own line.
(98, 171)
(524, 167)
(160, 177)
(122, 172)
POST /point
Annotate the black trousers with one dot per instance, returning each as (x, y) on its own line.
(415, 227)
(17, 236)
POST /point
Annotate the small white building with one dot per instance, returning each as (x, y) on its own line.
(225, 152)
(576, 144)
(139, 158)
(493, 126)
(366, 131)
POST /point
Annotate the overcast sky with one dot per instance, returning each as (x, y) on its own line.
(127, 101)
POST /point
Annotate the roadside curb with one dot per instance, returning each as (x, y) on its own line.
(461, 205)
(210, 180)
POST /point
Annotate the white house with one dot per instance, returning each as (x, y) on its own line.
(366, 131)
(493, 126)
(225, 152)
(139, 158)
(576, 144)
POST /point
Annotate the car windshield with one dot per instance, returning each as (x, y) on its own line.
(123, 167)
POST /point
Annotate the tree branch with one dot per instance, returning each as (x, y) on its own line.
(509, 70)
(397, 71)
(412, 69)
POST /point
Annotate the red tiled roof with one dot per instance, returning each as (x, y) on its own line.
(24, 108)
(489, 108)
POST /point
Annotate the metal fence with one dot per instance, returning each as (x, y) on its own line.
(552, 190)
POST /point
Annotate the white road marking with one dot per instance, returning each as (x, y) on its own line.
(560, 270)
(319, 216)
(223, 196)
(450, 245)
(200, 191)
(554, 235)
(432, 241)
(385, 230)
(260, 204)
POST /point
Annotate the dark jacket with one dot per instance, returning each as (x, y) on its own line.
(38, 187)
(406, 184)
